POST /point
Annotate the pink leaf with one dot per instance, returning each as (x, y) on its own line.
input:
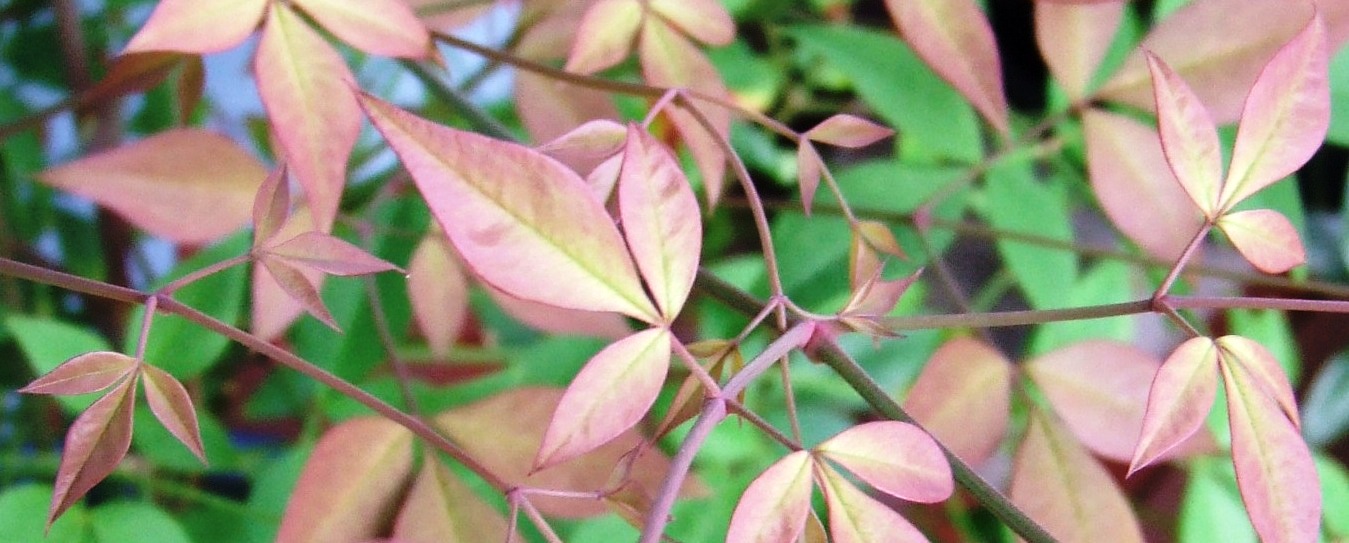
(963, 398)
(273, 309)
(1100, 390)
(549, 108)
(95, 443)
(300, 288)
(518, 217)
(1069, 493)
(186, 185)
(306, 89)
(953, 37)
(586, 146)
(660, 220)
(440, 508)
(328, 254)
(1265, 238)
(379, 27)
(1261, 366)
(855, 517)
(438, 292)
(846, 130)
(86, 373)
(897, 458)
(1181, 396)
(1074, 38)
(863, 261)
(197, 26)
(358, 468)
(877, 297)
(879, 236)
(705, 20)
(1129, 174)
(171, 404)
(271, 206)
(1285, 118)
(773, 508)
(1274, 468)
(809, 166)
(1189, 139)
(605, 35)
(612, 392)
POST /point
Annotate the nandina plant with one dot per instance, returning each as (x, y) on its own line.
(550, 297)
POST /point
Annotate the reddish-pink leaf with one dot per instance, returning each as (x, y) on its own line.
(357, 470)
(1135, 187)
(328, 254)
(809, 167)
(517, 218)
(1181, 396)
(197, 26)
(963, 398)
(271, 206)
(440, 508)
(300, 288)
(1261, 366)
(95, 443)
(1285, 118)
(438, 292)
(954, 38)
(897, 458)
(878, 297)
(1274, 468)
(863, 261)
(378, 27)
(273, 309)
(1074, 38)
(1100, 390)
(549, 108)
(1189, 139)
(846, 130)
(1058, 484)
(586, 146)
(86, 373)
(171, 404)
(560, 320)
(306, 89)
(136, 72)
(774, 507)
(855, 517)
(660, 218)
(605, 35)
(706, 20)
(1265, 237)
(612, 392)
(186, 185)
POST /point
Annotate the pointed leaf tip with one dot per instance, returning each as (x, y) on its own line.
(83, 374)
(1181, 396)
(661, 220)
(955, 39)
(95, 443)
(171, 404)
(328, 254)
(1189, 138)
(848, 131)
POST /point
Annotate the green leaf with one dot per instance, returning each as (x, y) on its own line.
(1106, 283)
(1325, 408)
(1334, 496)
(1339, 99)
(1016, 202)
(46, 343)
(159, 446)
(23, 510)
(135, 521)
(1211, 509)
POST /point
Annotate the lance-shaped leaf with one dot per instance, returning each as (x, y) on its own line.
(896, 458)
(197, 26)
(442, 509)
(328, 254)
(1100, 390)
(880, 237)
(306, 89)
(350, 483)
(863, 261)
(136, 72)
(605, 35)
(855, 517)
(171, 404)
(660, 220)
(846, 130)
(274, 308)
(1189, 139)
(378, 27)
(954, 38)
(95, 443)
(963, 398)
(517, 216)
(809, 167)
(86, 373)
(1074, 39)
(271, 206)
(705, 20)
(874, 298)
(773, 508)
(438, 292)
(1181, 396)
(1265, 238)
(1274, 468)
(1058, 484)
(187, 185)
(612, 392)
(299, 288)
(1263, 369)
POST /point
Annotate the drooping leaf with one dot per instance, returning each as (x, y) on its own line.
(809, 168)
(438, 292)
(954, 38)
(774, 507)
(197, 26)
(855, 517)
(847, 131)
(273, 307)
(135, 72)
(271, 206)
(605, 35)
(1189, 138)
(1181, 396)
(612, 392)
(378, 27)
(875, 297)
(1274, 468)
(661, 221)
(1074, 38)
(517, 218)
(327, 253)
(95, 443)
(963, 398)
(1263, 369)
(1058, 484)
(705, 20)
(1100, 390)
(349, 485)
(86, 373)
(896, 458)
(1265, 238)
(442, 509)
(187, 185)
(306, 89)
(299, 288)
(173, 407)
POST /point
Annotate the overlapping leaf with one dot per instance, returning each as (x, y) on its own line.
(173, 407)
(855, 517)
(95, 443)
(660, 220)
(438, 292)
(963, 398)
(1181, 396)
(896, 458)
(955, 39)
(774, 507)
(1099, 389)
(83, 374)
(378, 27)
(1263, 370)
(1074, 38)
(605, 35)
(197, 26)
